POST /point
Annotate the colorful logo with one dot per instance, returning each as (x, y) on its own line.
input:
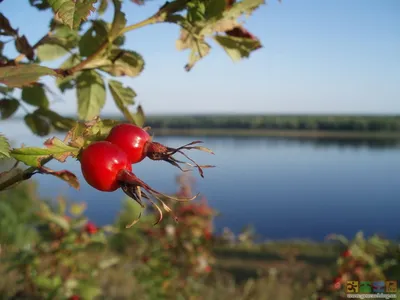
(352, 287)
(365, 287)
(391, 286)
(378, 287)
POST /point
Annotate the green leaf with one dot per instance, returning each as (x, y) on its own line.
(102, 7)
(119, 41)
(67, 83)
(8, 107)
(47, 283)
(93, 38)
(139, 117)
(37, 124)
(64, 36)
(59, 220)
(91, 94)
(4, 147)
(88, 290)
(59, 122)
(32, 156)
(72, 13)
(22, 75)
(123, 97)
(215, 9)
(196, 10)
(60, 150)
(119, 21)
(5, 27)
(35, 95)
(50, 52)
(22, 45)
(5, 90)
(199, 50)
(236, 47)
(124, 63)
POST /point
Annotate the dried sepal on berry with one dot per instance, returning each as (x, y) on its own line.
(136, 189)
(157, 151)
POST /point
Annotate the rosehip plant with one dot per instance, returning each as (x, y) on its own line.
(361, 260)
(95, 57)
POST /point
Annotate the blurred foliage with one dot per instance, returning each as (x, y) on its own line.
(50, 250)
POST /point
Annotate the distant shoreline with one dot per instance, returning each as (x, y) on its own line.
(318, 134)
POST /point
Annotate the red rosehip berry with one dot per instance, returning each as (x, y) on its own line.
(74, 297)
(90, 228)
(138, 144)
(337, 282)
(106, 168)
(101, 163)
(346, 253)
(132, 139)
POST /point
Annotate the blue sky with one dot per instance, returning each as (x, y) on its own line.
(331, 56)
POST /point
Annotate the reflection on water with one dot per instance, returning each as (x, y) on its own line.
(285, 187)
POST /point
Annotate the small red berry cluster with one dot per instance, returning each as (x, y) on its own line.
(107, 165)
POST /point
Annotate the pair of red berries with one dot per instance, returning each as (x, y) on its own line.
(107, 165)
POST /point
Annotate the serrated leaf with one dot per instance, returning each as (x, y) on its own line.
(65, 175)
(23, 75)
(237, 48)
(199, 50)
(60, 150)
(93, 38)
(102, 7)
(4, 147)
(119, 21)
(37, 124)
(48, 52)
(72, 13)
(5, 27)
(22, 45)
(91, 94)
(123, 97)
(32, 156)
(77, 209)
(59, 122)
(124, 63)
(35, 95)
(8, 107)
(66, 83)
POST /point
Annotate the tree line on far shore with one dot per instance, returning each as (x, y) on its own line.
(271, 122)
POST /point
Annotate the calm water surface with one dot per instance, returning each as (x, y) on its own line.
(285, 188)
